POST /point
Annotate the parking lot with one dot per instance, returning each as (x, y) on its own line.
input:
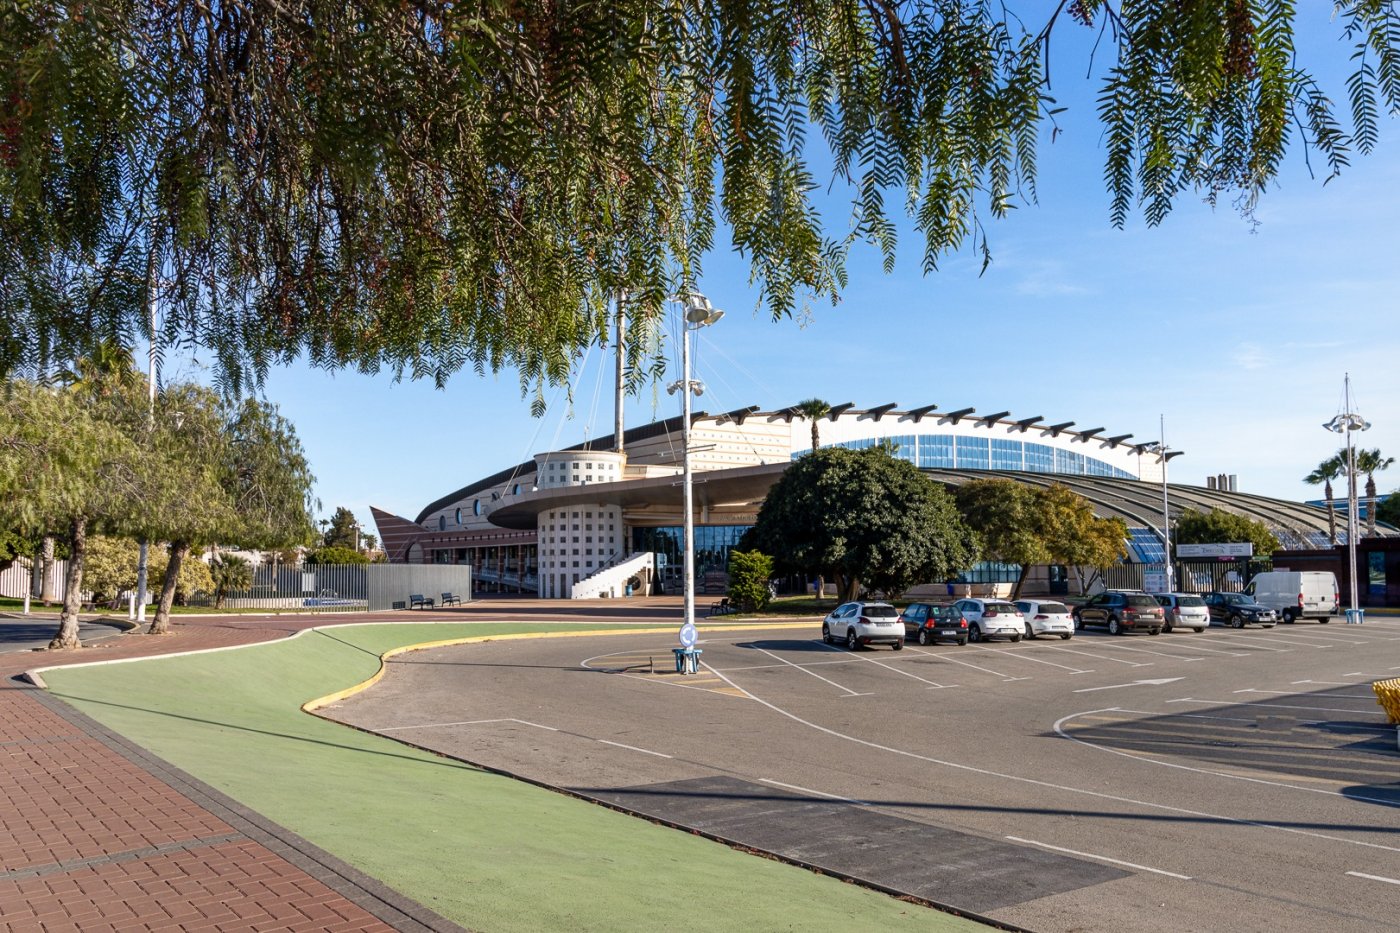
(1100, 783)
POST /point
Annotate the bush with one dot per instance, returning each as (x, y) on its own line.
(335, 555)
(749, 572)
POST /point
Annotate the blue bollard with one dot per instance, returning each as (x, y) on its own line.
(1356, 616)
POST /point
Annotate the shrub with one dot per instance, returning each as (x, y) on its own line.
(749, 572)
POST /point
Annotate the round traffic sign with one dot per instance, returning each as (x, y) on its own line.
(688, 635)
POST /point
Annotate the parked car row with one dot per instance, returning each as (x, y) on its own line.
(865, 623)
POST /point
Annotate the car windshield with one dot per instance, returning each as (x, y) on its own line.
(1001, 607)
(1191, 602)
(880, 612)
(1142, 602)
(1057, 608)
(1237, 599)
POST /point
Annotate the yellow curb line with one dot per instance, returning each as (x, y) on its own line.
(310, 706)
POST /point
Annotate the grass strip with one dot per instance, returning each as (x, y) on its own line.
(488, 852)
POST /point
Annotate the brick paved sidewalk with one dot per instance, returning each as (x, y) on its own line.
(96, 834)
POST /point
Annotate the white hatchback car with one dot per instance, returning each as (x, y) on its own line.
(862, 623)
(1044, 617)
(1184, 610)
(988, 618)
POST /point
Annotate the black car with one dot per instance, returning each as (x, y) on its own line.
(1237, 610)
(927, 623)
(1121, 612)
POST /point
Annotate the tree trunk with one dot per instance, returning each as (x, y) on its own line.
(815, 436)
(1331, 513)
(160, 625)
(1370, 506)
(49, 593)
(67, 636)
(1020, 581)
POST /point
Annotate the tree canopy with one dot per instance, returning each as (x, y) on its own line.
(1218, 526)
(872, 521)
(430, 186)
(342, 532)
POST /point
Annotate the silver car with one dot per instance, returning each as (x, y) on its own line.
(862, 623)
(989, 618)
(1184, 610)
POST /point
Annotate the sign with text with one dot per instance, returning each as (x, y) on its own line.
(1230, 549)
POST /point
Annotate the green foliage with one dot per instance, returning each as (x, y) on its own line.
(1004, 514)
(433, 186)
(194, 577)
(871, 520)
(229, 572)
(749, 573)
(110, 563)
(813, 409)
(342, 530)
(1327, 471)
(334, 555)
(1217, 526)
(1388, 510)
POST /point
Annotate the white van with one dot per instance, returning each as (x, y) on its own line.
(1297, 594)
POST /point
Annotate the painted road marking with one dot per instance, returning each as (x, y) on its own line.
(933, 684)
(633, 748)
(814, 793)
(1250, 640)
(975, 667)
(1101, 858)
(1160, 654)
(1025, 657)
(1136, 683)
(1362, 874)
(464, 722)
(1314, 709)
(849, 691)
(1101, 657)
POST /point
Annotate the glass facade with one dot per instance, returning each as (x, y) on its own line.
(712, 544)
(1146, 545)
(975, 452)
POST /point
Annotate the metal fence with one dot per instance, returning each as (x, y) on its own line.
(15, 579)
(344, 587)
(392, 584)
(1191, 576)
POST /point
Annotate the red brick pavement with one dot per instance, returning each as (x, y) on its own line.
(96, 834)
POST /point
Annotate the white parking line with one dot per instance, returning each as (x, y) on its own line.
(1101, 858)
(951, 660)
(633, 748)
(1249, 640)
(933, 684)
(1362, 874)
(804, 670)
(1329, 683)
(1101, 657)
(814, 793)
(1323, 709)
(1026, 657)
(1114, 646)
(464, 722)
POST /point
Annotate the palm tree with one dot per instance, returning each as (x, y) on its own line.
(1326, 471)
(1371, 462)
(813, 409)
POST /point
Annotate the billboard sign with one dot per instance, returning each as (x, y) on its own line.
(1230, 549)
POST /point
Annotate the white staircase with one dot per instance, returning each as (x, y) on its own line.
(611, 582)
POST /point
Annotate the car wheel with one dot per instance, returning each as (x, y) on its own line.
(1016, 637)
(1078, 623)
(1288, 617)
(899, 646)
(1113, 627)
(826, 634)
(1267, 625)
(1030, 632)
(1167, 628)
(962, 641)
(1324, 620)
(1199, 629)
(975, 633)
(851, 641)
(1154, 631)
(923, 636)
(1064, 637)
(1237, 621)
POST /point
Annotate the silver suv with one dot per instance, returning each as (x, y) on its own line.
(862, 623)
(1184, 610)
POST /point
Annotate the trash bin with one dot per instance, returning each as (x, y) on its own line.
(1388, 697)
(1356, 616)
(628, 591)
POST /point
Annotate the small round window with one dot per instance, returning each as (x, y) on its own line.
(442, 523)
(459, 516)
(476, 506)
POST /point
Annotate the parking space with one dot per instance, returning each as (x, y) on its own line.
(1156, 770)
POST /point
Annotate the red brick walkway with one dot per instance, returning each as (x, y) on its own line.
(96, 834)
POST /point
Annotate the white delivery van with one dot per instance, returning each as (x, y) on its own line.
(1297, 594)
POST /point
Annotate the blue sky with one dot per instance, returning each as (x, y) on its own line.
(1238, 336)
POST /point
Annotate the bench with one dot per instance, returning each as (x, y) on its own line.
(419, 601)
(449, 600)
(722, 607)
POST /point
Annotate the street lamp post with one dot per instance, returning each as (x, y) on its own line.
(1161, 449)
(698, 313)
(1344, 424)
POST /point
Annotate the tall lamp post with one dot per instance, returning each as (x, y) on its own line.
(1165, 453)
(1344, 424)
(698, 313)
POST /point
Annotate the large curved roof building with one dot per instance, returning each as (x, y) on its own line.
(569, 522)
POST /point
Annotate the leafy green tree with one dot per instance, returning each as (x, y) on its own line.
(814, 410)
(872, 522)
(334, 555)
(1388, 510)
(1371, 462)
(1005, 516)
(192, 579)
(342, 531)
(1326, 471)
(230, 572)
(1217, 525)
(1073, 535)
(428, 186)
(749, 573)
(109, 566)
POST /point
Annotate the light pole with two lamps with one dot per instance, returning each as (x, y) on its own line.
(698, 313)
(1161, 449)
(1344, 424)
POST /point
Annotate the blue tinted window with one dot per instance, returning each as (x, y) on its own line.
(1006, 455)
(973, 453)
(1040, 458)
(1067, 461)
(936, 452)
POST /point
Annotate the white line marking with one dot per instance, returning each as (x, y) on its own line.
(1329, 683)
(1035, 782)
(944, 657)
(1101, 858)
(633, 748)
(1316, 709)
(933, 684)
(465, 722)
(1101, 657)
(1160, 654)
(1285, 693)
(1136, 683)
(804, 670)
(1250, 640)
(814, 793)
(1362, 874)
(1026, 657)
